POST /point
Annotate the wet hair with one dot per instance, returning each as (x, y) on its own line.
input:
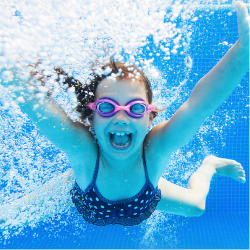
(85, 93)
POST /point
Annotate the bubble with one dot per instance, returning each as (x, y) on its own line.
(112, 78)
(248, 19)
(174, 51)
(107, 71)
(194, 19)
(131, 59)
(42, 89)
(7, 76)
(224, 43)
(20, 99)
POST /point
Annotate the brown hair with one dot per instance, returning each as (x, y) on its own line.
(86, 92)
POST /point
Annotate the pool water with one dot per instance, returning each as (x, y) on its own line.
(211, 231)
(225, 223)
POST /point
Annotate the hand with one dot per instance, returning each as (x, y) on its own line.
(243, 24)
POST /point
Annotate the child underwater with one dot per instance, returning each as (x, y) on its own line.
(118, 166)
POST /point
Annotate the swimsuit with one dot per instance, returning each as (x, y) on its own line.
(100, 211)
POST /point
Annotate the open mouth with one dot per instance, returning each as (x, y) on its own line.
(120, 140)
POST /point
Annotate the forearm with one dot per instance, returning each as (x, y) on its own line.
(216, 86)
(35, 101)
(52, 198)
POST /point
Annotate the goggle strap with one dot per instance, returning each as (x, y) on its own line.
(91, 105)
(151, 108)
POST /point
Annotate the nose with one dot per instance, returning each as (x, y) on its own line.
(121, 118)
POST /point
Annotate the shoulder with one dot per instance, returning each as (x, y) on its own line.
(83, 166)
(82, 154)
(157, 155)
(156, 141)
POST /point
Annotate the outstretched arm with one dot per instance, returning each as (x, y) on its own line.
(210, 92)
(47, 201)
(220, 82)
(71, 137)
(191, 201)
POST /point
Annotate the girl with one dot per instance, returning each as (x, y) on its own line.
(117, 165)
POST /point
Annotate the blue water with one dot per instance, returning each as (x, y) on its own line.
(225, 223)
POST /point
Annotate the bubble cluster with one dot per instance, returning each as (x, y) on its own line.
(76, 33)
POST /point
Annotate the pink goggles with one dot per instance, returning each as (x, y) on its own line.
(107, 107)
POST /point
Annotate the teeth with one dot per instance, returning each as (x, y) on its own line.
(120, 133)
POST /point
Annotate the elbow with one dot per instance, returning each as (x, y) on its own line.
(198, 212)
(195, 212)
(199, 209)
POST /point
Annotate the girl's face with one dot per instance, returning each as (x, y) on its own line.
(133, 130)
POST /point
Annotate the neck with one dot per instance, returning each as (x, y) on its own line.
(113, 164)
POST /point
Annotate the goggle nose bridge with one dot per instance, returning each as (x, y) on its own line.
(126, 108)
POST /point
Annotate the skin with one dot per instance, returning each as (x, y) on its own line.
(121, 174)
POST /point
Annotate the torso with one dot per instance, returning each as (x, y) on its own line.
(119, 186)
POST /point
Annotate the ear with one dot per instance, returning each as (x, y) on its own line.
(151, 119)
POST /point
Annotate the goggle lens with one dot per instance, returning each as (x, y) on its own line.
(105, 107)
(138, 108)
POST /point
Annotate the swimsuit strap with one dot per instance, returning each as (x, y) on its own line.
(145, 166)
(96, 165)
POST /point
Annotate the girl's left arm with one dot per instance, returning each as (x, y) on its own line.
(216, 86)
(210, 92)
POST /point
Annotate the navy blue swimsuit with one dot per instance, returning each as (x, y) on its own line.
(100, 211)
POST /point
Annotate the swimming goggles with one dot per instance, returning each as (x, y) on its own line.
(107, 107)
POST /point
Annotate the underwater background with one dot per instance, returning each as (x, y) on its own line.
(187, 38)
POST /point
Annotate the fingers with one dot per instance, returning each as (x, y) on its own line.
(241, 172)
(241, 176)
(235, 162)
(241, 179)
(238, 166)
(242, 12)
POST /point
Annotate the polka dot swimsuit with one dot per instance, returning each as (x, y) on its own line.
(100, 211)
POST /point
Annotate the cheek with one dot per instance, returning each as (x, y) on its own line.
(96, 124)
(142, 124)
(100, 123)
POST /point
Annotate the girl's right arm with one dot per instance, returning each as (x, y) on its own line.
(44, 202)
(71, 137)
